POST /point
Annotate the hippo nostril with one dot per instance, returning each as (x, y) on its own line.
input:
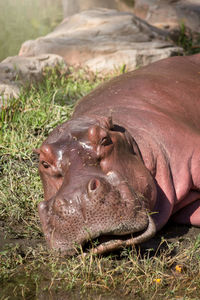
(93, 185)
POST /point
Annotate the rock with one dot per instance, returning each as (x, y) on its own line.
(104, 40)
(8, 91)
(17, 71)
(76, 6)
(165, 14)
(28, 69)
(73, 7)
(170, 14)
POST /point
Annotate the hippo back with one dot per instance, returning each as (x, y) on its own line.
(169, 88)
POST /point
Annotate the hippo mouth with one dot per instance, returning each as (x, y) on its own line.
(108, 243)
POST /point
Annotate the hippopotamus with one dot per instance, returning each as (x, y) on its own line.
(127, 161)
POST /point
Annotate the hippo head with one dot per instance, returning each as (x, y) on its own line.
(95, 184)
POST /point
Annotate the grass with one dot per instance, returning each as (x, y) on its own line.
(28, 269)
(36, 272)
(188, 41)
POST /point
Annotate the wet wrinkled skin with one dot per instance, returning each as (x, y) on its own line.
(105, 176)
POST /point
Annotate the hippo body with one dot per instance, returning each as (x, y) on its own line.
(127, 161)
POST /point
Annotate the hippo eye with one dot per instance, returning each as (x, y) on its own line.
(105, 141)
(45, 164)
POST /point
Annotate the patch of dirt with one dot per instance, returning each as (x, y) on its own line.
(7, 239)
(77, 296)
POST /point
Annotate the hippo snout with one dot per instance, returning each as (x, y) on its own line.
(89, 208)
(75, 199)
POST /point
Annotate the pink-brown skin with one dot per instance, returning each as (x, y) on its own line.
(127, 161)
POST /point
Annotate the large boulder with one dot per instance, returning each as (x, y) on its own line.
(104, 40)
(18, 71)
(167, 14)
(170, 14)
(73, 7)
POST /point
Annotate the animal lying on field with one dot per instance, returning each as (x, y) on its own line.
(127, 161)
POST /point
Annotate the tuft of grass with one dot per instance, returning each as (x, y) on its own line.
(188, 41)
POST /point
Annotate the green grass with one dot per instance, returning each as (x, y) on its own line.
(188, 41)
(30, 271)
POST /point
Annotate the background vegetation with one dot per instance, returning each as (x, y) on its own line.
(22, 20)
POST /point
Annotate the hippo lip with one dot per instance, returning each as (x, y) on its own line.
(110, 242)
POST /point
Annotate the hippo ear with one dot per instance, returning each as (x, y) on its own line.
(106, 122)
(98, 135)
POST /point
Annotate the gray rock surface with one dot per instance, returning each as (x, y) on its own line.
(103, 40)
(18, 71)
(73, 7)
(166, 14)
(170, 14)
